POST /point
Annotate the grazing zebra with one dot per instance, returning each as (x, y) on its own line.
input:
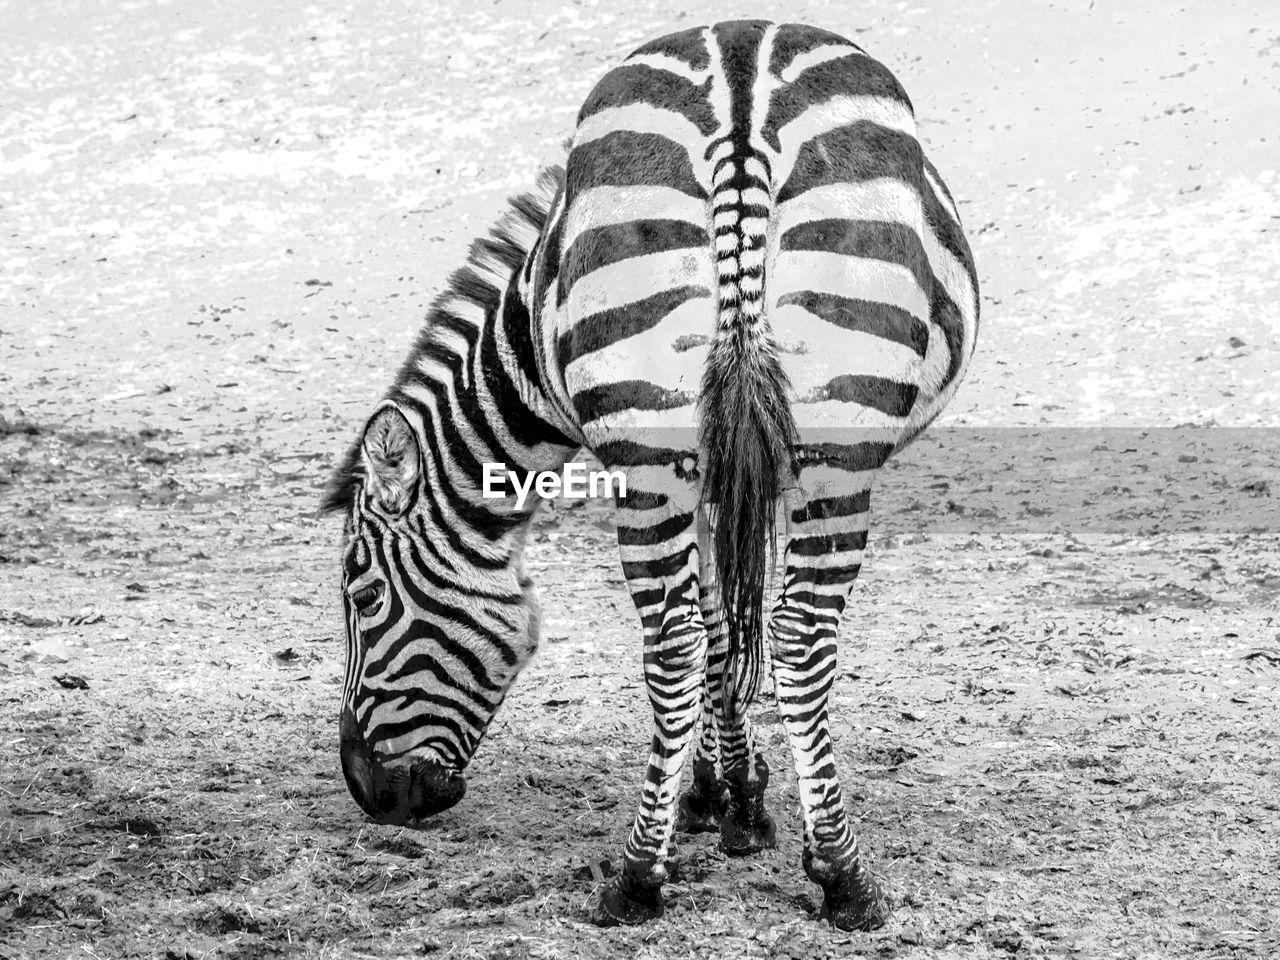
(748, 287)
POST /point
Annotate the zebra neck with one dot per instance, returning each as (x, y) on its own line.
(472, 391)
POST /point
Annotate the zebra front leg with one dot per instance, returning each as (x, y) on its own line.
(707, 798)
(745, 825)
(821, 567)
(663, 579)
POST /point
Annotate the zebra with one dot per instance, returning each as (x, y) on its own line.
(746, 289)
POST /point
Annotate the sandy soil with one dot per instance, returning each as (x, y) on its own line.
(219, 228)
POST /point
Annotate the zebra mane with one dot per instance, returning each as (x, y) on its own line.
(508, 243)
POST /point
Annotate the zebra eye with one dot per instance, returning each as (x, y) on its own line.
(367, 599)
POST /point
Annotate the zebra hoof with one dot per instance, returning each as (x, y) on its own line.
(853, 900)
(626, 904)
(701, 813)
(742, 834)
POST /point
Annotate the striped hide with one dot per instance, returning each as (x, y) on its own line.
(746, 289)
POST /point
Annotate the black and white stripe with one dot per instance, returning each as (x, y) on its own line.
(448, 616)
(749, 288)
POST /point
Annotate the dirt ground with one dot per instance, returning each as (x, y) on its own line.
(1057, 719)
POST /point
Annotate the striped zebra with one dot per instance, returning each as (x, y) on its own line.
(746, 289)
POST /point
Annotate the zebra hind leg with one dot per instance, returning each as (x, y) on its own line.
(804, 662)
(823, 557)
(659, 559)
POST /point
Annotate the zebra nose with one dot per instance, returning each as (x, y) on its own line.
(395, 793)
(357, 764)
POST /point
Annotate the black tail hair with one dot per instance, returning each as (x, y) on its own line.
(747, 436)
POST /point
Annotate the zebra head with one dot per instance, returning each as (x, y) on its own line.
(439, 620)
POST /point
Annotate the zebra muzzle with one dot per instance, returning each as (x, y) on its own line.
(395, 791)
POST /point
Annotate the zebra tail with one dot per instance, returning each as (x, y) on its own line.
(747, 431)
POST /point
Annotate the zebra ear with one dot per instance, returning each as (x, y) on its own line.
(392, 460)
